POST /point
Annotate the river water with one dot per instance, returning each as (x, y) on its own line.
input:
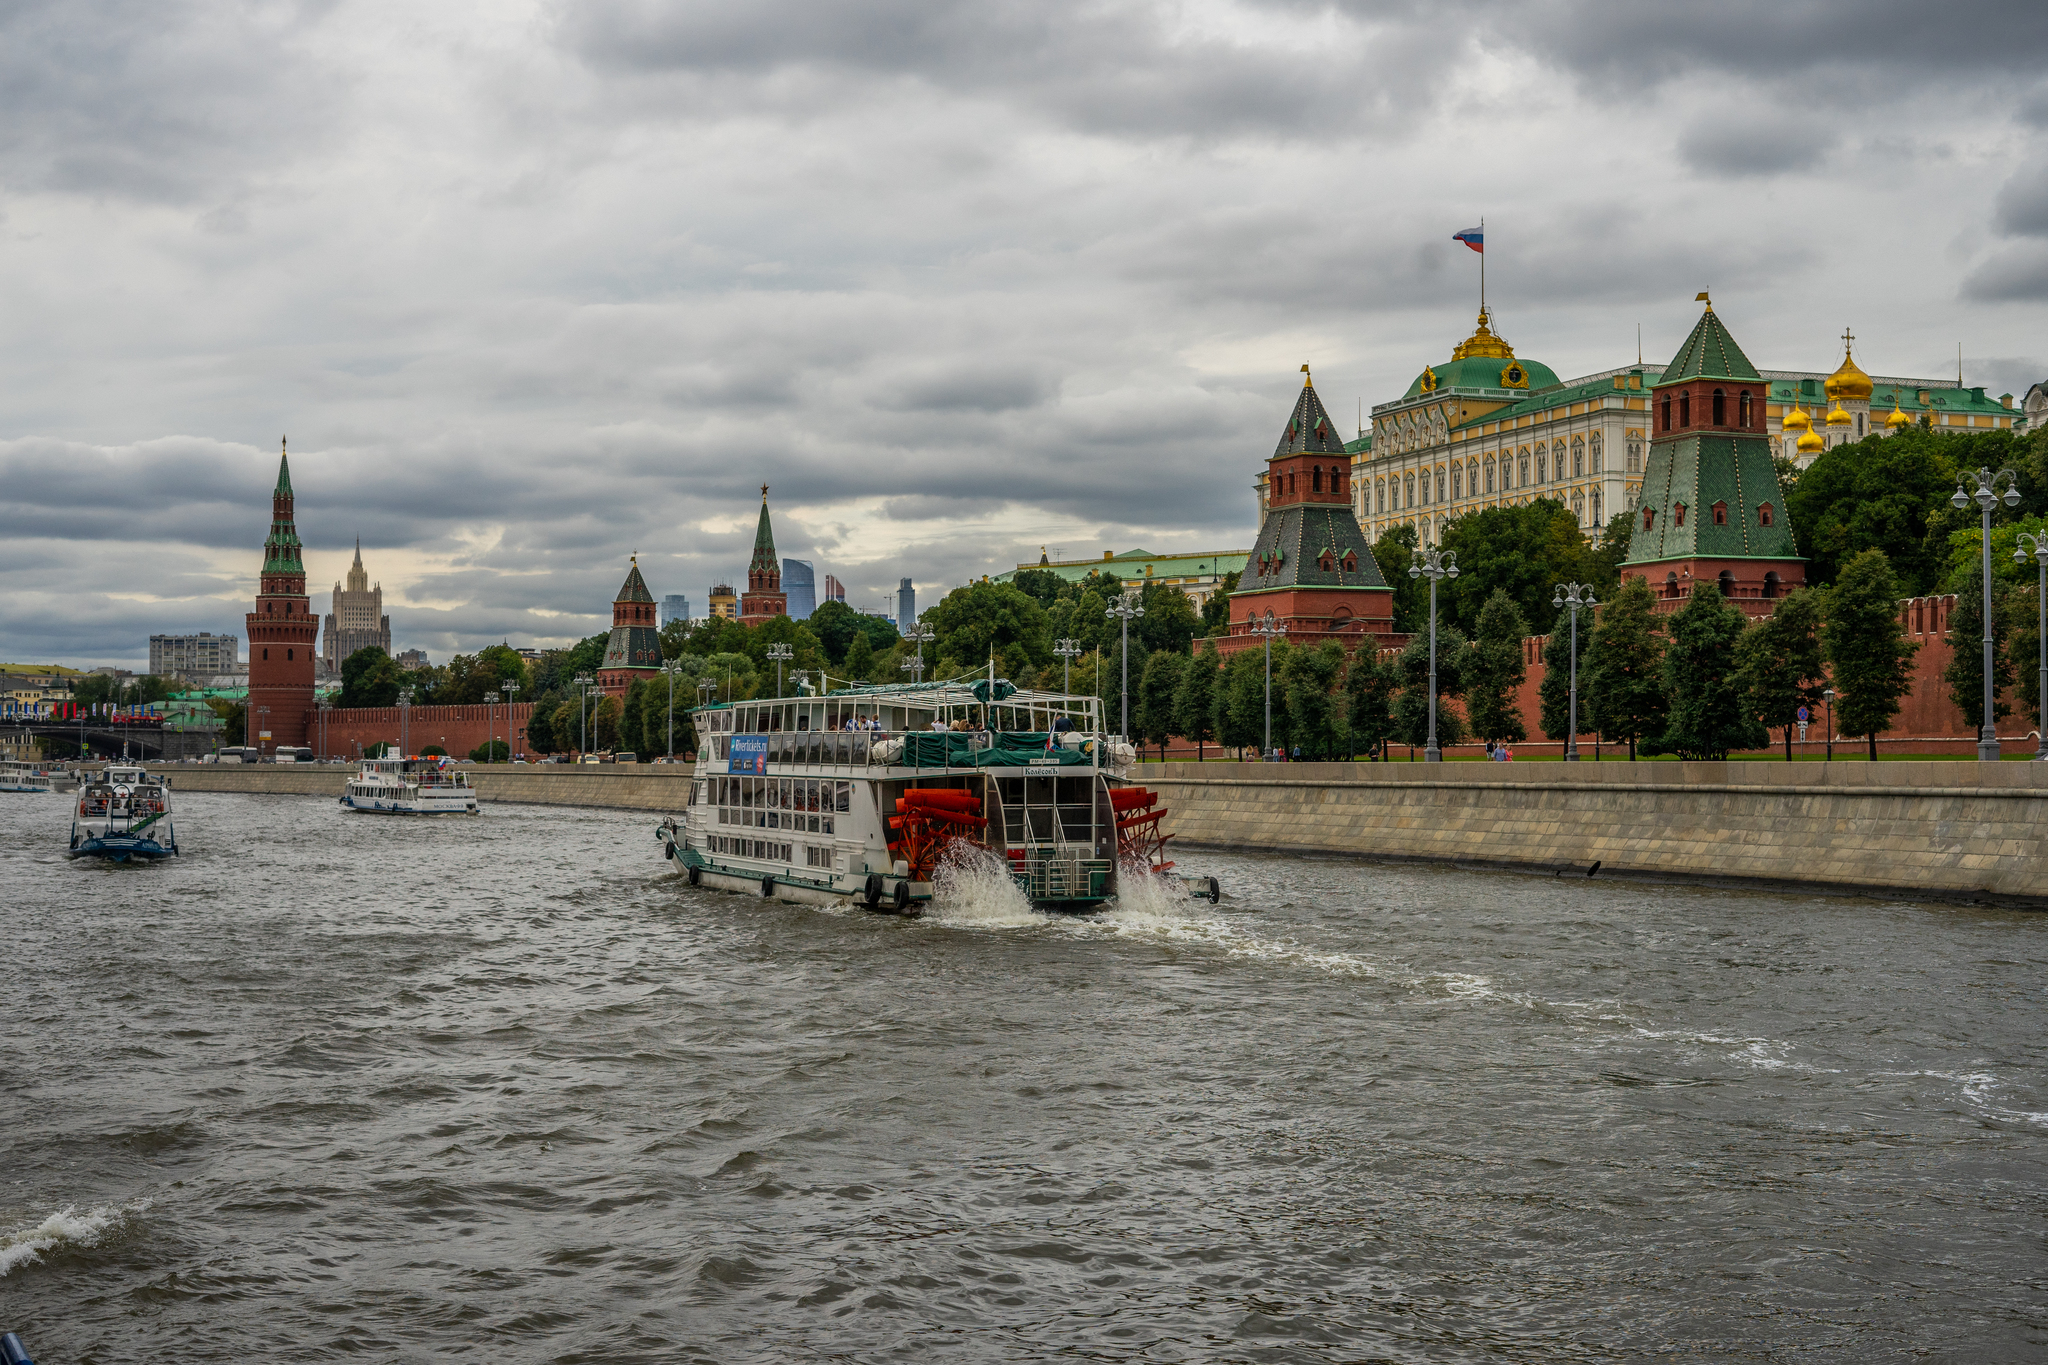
(502, 1089)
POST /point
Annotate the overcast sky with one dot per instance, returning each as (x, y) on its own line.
(532, 286)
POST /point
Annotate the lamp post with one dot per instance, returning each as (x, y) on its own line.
(781, 654)
(325, 707)
(582, 686)
(405, 723)
(2038, 544)
(1829, 697)
(1270, 629)
(1068, 650)
(1123, 611)
(1573, 595)
(672, 667)
(490, 725)
(917, 633)
(1433, 565)
(1986, 498)
(914, 667)
(262, 725)
(510, 690)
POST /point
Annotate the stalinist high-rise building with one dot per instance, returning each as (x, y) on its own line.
(358, 620)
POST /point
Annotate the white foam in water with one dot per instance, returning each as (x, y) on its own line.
(67, 1226)
(1143, 897)
(972, 886)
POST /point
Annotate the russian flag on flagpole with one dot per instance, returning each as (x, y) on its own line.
(1472, 237)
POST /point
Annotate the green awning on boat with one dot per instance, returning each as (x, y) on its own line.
(955, 749)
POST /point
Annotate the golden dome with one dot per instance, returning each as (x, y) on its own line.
(1838, 418)
(1797, 420)
(1898, 420)
(1848, 381)
(1483, 341)
(1811, 441)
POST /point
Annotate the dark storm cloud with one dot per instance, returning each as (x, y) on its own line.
(167, 100)
(2022, 209)
(1751, 145)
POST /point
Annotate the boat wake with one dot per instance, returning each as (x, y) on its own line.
(972, 888)
(66, 1227)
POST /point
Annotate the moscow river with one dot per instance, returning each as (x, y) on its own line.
(339, 1087)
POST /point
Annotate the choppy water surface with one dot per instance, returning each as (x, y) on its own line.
(335, 1086)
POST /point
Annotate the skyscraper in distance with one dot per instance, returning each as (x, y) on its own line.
(800, 586)
(906, 603)
(675, 607)
(835, 591)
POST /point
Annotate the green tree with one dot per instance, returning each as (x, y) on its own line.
(1393, 552)
(369, 678)
(1158, 690)
(860, 660)
(1523, 551)
(1867, 650)
(540, 725)
(604, 724)
(1043, 585)
(1626, 687)
(1964, 675)
(1194, 705)
(981, 618)
(1603, 560)
(1240, 701)
(1779, 664)
(1411, 708)
(2024, 650)
(1880, 493)
(492, 751)
(1216, 608)
(1493, 670)
(1170, 621)
(1709, 716)
(1317, 720)
(1369, 686)
(1554, 693)
(234, 717)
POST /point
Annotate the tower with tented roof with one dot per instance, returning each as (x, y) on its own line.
(1312, 567)
(634, 650)
(282, 628)
(1711, 508)
(763, 599)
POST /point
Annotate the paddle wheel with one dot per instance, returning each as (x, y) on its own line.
(1138, 840)
(928, 820)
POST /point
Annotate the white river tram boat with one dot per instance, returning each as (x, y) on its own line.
(855, 797)
(123, 815)
(410, 786)
(16, 776)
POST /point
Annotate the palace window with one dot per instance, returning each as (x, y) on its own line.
(1720, 514)
(1744, 407)
(1522, 470)
(1598, 447)
(1542, 467)
(1489, 473)
(1763, 514)
(1635, 457)
(1579, 508)
(1379, 496)
(1596, 507)
(1771, 583)
(1409, 488)
(1720, 408)
(1667, 412)
(1457, 481)
(1315, 480)
(1439, 484)
(1578, 458)
(1685, 409)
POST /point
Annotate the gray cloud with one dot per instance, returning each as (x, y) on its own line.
(2022, 209)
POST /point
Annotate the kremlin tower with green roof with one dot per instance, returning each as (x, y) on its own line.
(1312, 568)
(634, 650)
(763, 600)
(1711, 509)
(282, 630)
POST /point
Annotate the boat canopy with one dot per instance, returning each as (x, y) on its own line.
(1009, 749)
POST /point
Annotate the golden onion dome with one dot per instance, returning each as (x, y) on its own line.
(1797, 420)
(1811, 441)
(1898, 420)
(1838, 418)
(1848, 380)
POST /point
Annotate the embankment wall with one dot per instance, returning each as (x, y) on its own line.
(1938, 829)
(637, 786)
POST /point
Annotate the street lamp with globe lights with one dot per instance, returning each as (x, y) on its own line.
(1573, 595)
(2037, 544)
(914, 667)
(1829, 697)
(1124, 609)
(781, 654)
(582, 685)
(510, 689)
(917, 632)
(1986, 498)
(1433, 565)
(490, 725)
(670, 668)
(1068, 650)
(1270, 630)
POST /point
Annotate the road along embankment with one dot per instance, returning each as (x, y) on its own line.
(643, 787)
(1970, 831)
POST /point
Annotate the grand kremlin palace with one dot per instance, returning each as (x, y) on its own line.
(1487, 429)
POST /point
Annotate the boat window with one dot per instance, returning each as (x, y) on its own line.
(860, 747)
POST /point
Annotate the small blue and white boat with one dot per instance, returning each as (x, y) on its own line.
(124, 815)
(16, 776)
(410, 786)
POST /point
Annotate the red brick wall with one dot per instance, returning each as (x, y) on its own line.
(458, 729)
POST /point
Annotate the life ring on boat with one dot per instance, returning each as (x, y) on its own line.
(695, 876)
(871, 892)
(900, 902)
(768, 888)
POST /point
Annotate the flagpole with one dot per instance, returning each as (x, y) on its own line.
(1482, 263)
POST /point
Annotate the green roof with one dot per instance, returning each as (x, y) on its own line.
(764, 544)
(1484, 372)
(1698, 470)
(1882, 395)
(1132, 564)
(1710, 353)
(634, 589)
(1292, 545)
(1361, 446)
(1310, 430)
(1551, 397)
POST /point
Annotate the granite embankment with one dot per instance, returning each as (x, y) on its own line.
(648, 787)
(1940, 829)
